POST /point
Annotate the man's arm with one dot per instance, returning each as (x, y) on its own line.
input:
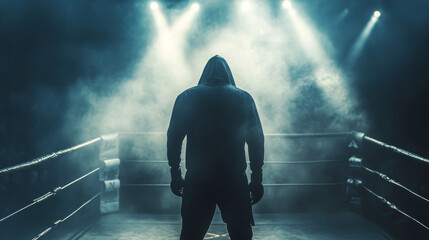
(255, 139)
(255, 143)
(175, 135)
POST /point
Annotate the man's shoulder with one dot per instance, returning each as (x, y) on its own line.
(244, 92)
(200, 89)
(189, 91)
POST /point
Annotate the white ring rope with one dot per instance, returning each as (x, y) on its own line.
(40, 160)
(49, 194)
(285, 135)
(392, 206)
(56, 223)
(397, 150)
(265, 162)
(265, 185)
(388, 179)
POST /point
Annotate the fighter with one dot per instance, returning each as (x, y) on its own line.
(218, 119)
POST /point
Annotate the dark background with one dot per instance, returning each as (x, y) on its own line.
(48, 46)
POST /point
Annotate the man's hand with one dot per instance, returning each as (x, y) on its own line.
(177, 182)
(256, 188)
(256, 192)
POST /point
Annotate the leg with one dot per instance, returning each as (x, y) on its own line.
(194, 230)
(240, 231)
(236, 210)
(198, 207)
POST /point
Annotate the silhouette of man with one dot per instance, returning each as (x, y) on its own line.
(217, 118)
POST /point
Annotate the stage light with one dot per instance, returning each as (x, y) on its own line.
(245, 6)
(154, 5)
(377, 14)
(342, 16)
(326, 75)
(363, 38)
(287, 4)
(195, 7)
(184, 23)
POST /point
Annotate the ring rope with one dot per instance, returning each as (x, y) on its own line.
(56, 223)
(49, 194)
(303, 184)
(265, 162)
(392, 206)
(304, 162)
(308, 135)
(388, 179)
(397, 150)
(265, 185)
(286, 135)
(40, 160)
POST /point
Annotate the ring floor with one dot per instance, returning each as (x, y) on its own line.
(300, 226)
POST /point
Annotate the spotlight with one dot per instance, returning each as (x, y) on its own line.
(245, 6)
(154, 5)
(287, 4)
(377, 14)
(363, 38)
(195, 7)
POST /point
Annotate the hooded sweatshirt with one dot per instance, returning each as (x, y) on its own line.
(218, 119)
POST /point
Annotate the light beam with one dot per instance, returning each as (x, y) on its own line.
(342, 16)
(246, 6)
(326, 74)
(195, 7)
(286, 4)
(154, 5)
(168, 47)
(182, 25)
(363, 38)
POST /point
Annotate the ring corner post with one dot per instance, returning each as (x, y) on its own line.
(109, 173)
(357, 139)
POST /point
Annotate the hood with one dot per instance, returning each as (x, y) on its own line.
(217, 72)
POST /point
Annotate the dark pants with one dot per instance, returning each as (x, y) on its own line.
(200, 197)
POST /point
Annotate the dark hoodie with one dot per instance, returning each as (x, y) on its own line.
(217, 118)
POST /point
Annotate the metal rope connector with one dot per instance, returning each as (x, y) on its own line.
(43, 197)
(49, 194)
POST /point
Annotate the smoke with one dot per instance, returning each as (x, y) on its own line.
(278, 56)
(74, 70)
(285, 65)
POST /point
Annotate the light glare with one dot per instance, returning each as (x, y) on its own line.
(377, 14)
(363, 38)
(154, 5)
(195, 7)
(245, 6)
(287, 4)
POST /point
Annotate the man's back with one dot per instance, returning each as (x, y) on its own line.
(216, 129)
(218, 119)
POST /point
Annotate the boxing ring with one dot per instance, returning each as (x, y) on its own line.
(126, 198)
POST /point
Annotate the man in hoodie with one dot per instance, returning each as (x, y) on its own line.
(218, 119)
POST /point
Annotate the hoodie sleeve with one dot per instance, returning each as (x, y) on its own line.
(254, 138)
(176, 133)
